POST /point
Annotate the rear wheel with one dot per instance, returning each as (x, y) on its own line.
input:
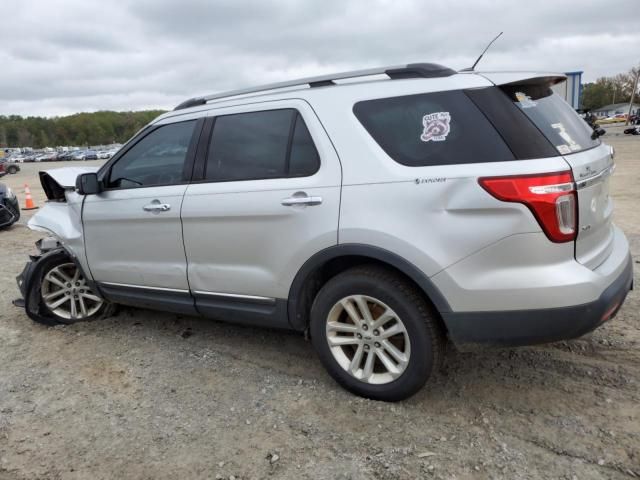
(12, 169)
(374, 333)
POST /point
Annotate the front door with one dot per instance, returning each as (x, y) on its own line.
(133, 232)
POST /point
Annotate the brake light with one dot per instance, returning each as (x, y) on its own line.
(550, 197)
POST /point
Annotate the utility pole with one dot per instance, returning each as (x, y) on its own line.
(633, 94)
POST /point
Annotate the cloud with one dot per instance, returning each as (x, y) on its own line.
(62, 56)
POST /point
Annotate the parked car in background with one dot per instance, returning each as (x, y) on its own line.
(84, 155)
(9, 208)
(77, 155)
(65, 156)
(47, 157)
(9, 166)
(104, 154)
(90, 155)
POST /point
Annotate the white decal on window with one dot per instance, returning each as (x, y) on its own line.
(436, 127)
(564, 149)
(525, 100)
(562, 132)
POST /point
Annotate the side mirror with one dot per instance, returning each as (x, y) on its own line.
(88, 184)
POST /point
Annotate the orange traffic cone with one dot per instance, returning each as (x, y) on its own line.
(28, 202)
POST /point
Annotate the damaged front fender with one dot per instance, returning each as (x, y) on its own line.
(63, 221)
(61, 217)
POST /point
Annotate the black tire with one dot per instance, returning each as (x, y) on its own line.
(12, 169)
(35, 305)
(425, 336)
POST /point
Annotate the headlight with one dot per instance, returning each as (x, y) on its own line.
(9, 193)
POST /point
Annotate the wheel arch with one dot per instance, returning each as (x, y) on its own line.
(329, 262)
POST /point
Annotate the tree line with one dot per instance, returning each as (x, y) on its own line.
(609, 90)
(82, 129)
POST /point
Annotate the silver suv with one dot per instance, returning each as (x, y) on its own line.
(379, 211)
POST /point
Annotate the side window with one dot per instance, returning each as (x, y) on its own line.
(260, 145)
(157, 159)
(304, 159)
(441, 128)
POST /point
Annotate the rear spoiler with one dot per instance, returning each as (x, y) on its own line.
(524, 78)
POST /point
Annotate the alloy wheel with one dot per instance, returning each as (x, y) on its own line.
(66, 294)
(368, 339)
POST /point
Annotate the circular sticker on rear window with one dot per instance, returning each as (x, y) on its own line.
(437, 126)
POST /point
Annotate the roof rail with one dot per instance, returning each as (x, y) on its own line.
(412, 70)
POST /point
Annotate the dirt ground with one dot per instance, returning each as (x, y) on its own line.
(152, 395)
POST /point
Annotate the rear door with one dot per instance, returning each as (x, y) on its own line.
(591, 162)
(267, 200)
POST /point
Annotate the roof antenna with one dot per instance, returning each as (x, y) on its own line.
(470, 69)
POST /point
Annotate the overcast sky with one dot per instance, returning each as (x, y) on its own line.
(64, 56)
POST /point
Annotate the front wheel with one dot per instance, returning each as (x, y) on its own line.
(375, 334)
(60, 294)
(12, 169)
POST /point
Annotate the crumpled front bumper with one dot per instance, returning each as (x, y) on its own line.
(24, 276)
(24, 280)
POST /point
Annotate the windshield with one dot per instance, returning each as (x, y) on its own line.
(557, 121)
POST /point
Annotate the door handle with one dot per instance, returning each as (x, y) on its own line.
(301, 200)
(156, 207)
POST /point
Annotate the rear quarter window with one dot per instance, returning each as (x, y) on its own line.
(555, 118)
(441, 128)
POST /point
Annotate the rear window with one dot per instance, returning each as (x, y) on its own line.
(557, 121)
(440, 128)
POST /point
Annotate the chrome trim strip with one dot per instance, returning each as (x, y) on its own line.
(143, 287)
(587, 182)
(254, 298)
(557, 188)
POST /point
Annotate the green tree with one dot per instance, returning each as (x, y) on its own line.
(608, 90)
(42, 140)
(81, 129)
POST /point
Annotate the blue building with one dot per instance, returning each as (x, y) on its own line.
(571, 90)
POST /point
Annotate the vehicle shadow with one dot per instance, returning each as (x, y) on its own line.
(560, 367)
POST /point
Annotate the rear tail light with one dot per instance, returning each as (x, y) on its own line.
(550, 197)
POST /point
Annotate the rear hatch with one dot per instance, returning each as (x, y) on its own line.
(591, 161)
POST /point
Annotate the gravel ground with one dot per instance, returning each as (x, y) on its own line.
(155, 395)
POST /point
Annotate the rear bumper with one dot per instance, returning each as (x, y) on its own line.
(528, 327)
